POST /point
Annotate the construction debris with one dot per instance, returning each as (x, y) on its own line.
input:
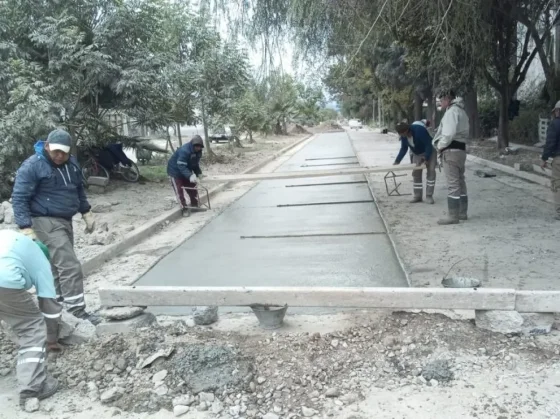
(204, 316)
(121, 313)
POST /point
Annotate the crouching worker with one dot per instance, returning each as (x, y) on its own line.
(417, 138)
(24, 264)
(183, 169)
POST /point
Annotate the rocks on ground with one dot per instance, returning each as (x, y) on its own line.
(32, 405)
(121, 313)
(206, 315)
(282, 375)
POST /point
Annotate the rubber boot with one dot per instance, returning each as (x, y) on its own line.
(453, 213)
(430, 200)
(463, 208)
(50, 387)
(415, 200)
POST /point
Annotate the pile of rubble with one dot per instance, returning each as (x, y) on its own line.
(180, 369)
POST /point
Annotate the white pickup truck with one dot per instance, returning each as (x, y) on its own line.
(355, 124)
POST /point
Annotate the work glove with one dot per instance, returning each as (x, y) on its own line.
(90, 222)
(193, 179)
(29, 232)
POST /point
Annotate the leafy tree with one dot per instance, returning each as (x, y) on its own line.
(248, 115)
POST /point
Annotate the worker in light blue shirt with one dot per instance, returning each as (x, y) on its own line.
(24, 264)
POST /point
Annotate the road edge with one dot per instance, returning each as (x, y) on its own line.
(382, 216)
(531, 177)
(148, 229)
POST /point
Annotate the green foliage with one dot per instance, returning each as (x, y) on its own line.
(71, 64)
(488, 114)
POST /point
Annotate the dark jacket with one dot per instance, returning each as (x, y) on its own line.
(184, 162)
(552, 146)
(43, 189)
(422, 143)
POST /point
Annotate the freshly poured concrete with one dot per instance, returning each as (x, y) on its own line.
(219, 256)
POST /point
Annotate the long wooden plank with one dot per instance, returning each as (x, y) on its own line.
(310, 173)
(394, 298)
(538, 301)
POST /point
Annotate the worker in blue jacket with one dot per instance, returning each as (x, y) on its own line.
(184, 171)
(48, 192)
(24, 264)
(417, 138)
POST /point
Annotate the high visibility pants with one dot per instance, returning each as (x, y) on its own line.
(58, 235)
(418, 186)
(33, 325)
(454, 169)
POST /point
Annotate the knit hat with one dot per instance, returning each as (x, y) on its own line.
(59, 140)
(44, 248)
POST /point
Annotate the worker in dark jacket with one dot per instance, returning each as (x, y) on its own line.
(48, 192)
(183, 169)
(552, 150)
(417, 138)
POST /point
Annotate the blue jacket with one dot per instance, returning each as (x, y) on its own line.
(43, 189)
(422, 143)
(23, 265)
(552, 146)
(184, 162)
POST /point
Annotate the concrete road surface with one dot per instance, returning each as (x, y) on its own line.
(301, 232)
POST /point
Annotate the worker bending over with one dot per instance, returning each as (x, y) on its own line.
(450, 142)
(417, 138)
(183, 170)
(24, 264)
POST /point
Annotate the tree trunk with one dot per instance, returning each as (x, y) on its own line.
(207, 146)
(431, 110)
(179, 137)
(251, 140)
(418, 102)
(284, 127)
(503, 126)
(471, 107)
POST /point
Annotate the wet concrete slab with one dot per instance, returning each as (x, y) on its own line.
(219, 256)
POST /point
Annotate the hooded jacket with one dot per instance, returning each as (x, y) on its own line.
(184, 162)
(453, 130)
(43, 189)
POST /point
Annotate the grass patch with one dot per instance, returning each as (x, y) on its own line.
(154, 173)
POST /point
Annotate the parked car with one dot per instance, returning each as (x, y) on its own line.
(355, 124)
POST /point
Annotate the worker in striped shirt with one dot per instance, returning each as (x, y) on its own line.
(24, 263)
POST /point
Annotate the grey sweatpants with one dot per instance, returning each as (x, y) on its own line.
(555, 183)
(58, 235)
(430, 175)
(454, 169)
(34, 326)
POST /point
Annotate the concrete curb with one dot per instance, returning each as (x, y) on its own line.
(148, 229)
(510, 171)
(383, 219)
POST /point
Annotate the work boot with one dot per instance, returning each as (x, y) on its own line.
(185, 212)
(90, 317)
(463, 208)
(50, 387)
(416, 199)
(453, 213)
(430, 200)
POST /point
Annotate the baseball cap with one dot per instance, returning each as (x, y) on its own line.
(59, 140)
